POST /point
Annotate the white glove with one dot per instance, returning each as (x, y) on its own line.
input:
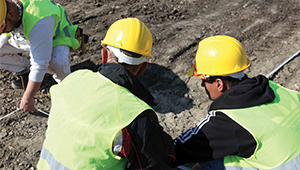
(4, 38)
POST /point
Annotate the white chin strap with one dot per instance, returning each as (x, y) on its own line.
(123, 58)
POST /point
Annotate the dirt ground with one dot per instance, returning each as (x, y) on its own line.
(269, 31)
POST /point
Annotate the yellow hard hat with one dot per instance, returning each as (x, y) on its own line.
(2, 13)
(129, 34)
(218, 56)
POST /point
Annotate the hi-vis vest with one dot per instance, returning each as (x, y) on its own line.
(87, 112)
(64, 31)
(275, 127)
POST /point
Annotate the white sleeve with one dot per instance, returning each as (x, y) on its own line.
(3, 39)
(41, 38)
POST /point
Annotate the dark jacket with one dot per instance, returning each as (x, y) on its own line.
(152, 148)
(217, 136)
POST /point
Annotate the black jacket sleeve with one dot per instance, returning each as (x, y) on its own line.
(216, 136)
(153, 148)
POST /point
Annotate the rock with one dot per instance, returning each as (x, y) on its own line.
(3, 134)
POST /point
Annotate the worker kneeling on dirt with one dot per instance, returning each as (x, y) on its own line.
(253, 123)
(43, 26)
(103, 120)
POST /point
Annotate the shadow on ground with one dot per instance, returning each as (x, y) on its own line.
(167, 88)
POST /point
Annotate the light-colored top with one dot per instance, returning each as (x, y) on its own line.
(41, 48)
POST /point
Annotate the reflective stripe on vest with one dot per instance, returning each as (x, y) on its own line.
(64, 31)
(87, 111)
(46, 155)
(275, 127)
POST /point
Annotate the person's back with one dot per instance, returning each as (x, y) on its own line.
(103, 120)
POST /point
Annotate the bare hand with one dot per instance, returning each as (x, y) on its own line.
(27, 104)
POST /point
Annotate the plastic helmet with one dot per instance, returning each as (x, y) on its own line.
(2, 14)
(218, 56)
(129, 34)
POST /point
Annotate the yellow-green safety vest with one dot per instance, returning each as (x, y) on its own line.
(64, 31)
(87, 112)
(275, 127)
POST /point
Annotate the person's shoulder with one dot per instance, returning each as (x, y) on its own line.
(148, 113)
(145, 117)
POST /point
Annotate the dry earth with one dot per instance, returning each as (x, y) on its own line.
(269, 30)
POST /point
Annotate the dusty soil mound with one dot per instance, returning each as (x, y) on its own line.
(269, 30)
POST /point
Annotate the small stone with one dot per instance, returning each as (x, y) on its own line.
(3, 134)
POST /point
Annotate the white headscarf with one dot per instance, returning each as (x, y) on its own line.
(123, 58)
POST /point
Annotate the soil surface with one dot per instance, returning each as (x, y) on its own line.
(269, 31)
